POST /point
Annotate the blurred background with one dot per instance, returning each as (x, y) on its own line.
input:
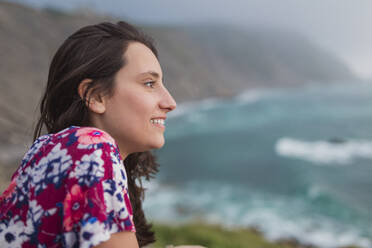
(273, 129)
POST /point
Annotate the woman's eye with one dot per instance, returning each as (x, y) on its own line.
(151, 83)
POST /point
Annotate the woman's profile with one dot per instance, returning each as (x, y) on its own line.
(103, 110)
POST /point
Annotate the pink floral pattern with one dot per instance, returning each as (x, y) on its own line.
(69, 191)
(88, 136)
(73, 206)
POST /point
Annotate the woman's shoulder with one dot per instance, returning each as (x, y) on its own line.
(78, 141)
(84, 136)
(84, 154)
(75, 135)
(75, 139)
(73, 143)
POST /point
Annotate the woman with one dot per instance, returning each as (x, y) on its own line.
(104, 107)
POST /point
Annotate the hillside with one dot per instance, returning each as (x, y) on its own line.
(222, 60)
(198, 62)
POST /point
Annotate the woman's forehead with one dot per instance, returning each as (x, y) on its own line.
(140, 60)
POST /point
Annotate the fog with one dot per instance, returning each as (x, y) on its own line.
(338, 25)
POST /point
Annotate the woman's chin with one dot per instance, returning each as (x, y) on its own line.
(159, 144)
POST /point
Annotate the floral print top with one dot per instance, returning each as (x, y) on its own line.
(70, 191)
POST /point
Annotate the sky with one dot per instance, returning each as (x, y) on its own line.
(337, 25)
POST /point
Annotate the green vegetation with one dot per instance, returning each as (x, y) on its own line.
(213, 236)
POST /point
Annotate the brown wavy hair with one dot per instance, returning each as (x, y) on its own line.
(95, 52)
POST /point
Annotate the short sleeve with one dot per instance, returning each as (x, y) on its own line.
(97, 203)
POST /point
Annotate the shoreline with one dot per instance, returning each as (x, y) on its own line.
(207, 102)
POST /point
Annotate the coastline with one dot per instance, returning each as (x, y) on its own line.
(187, 232)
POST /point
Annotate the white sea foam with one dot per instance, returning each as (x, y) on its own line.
(249, 96)
(269, 213)
(324, 152)
(209, 103)
(182, 109)
(194, 106)
(314, 231)
(315, 191)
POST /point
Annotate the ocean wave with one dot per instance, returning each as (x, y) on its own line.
(250, 96)
(325, 152)
(318, 231)
(192, 106)
(225, 205)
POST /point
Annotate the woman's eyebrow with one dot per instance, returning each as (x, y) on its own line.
(152, 73)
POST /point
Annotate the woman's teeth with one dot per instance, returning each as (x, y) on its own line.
(158, 121)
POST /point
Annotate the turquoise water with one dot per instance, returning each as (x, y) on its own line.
(295, 163)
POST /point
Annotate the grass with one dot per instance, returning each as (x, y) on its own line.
(213, 236)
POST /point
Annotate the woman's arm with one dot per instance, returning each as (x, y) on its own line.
(120, 240)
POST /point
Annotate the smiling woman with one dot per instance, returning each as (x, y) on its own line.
(104, 109)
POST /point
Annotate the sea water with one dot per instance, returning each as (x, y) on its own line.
(293, 162)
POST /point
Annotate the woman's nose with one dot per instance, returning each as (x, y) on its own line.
(167, 101)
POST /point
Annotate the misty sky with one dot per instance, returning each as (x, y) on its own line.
(339, 25)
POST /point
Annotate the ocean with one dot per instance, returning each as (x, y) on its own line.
(293, 162)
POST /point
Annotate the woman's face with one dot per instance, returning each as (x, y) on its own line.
(139, 98)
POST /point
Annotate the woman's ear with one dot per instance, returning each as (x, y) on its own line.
(93, 100)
